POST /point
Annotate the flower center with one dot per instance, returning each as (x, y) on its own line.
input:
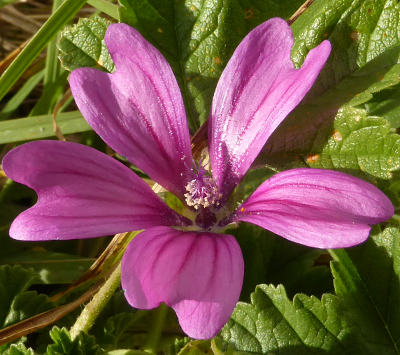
(202, 191)
(206, 219)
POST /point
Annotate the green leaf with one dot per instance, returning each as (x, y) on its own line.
(119, 330)
(363, 63)
(84, 344)
(385, 104)
(272, 323)
(82, 45)
(367, 280)
(126, 352)
(25, 305)
(37, 127)
(16, 303)
(359, 31)
(272, 259)
(196, 347)
(219, 348)
(198, 38)
(257, 246)
(13, 281)
(360, 143)
(362, 318)
(51, 267)
(130, 329)
(392, 190)
(335, 133)
(18, 349)
(299, 269)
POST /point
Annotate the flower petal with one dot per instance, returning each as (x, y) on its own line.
(198, 274)
(318, 208)
(138, 110)
(257, 90)
(82, 193)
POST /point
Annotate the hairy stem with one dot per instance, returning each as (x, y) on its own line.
(96, 305)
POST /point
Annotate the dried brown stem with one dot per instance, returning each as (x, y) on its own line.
(300, 11)
(44, 319)
(97, 267)
(59, 105)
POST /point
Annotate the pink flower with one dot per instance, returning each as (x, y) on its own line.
(139, 112)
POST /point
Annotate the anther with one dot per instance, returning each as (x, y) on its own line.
(202, 192)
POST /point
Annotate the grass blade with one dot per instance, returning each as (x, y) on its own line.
(21, 95)
(106, 7)
(38, 127)
(38, 42)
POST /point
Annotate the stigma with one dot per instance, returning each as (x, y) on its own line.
(202, 191)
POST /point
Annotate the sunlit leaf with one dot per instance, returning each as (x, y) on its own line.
(82, 45)
(198, 38)
(63, 345)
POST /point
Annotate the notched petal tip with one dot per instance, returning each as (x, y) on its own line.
(317, 208)
(18, 231)
(257, 90)
(138, 110)
(116, 29)
(76, 78)
(198, 274)
(82, 193)
(118, 34)
(317, 56)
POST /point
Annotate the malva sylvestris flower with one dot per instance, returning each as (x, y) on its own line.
(139, 112)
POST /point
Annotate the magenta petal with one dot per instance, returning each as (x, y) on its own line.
(138, 110)
(82, 193)
(317, 208)
(257, 90)
(198, 274)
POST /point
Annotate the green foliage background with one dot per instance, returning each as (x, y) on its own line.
(295, 300)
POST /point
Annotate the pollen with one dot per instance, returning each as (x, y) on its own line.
(202, 192)
(242, 209)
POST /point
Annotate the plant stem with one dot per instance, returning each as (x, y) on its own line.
(5, 188)
(32, 324)
(96, 305)
(154, 334)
